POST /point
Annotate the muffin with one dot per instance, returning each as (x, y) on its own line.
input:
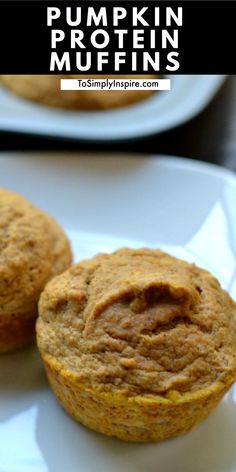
(137, 344)
(33, 249)
(45, 89)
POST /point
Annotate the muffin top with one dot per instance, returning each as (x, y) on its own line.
(46, 90)
(33, 248)
(139, 322)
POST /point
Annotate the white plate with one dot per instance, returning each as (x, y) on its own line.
(185, 207)
(162, 111)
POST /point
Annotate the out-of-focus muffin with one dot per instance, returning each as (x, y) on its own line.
(33, 248)
(45, 89)
(137, 344)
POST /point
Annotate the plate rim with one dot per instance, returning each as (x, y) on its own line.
(18, 126)
(181, 162)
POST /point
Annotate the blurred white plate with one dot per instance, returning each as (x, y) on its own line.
(160, 112)
(184, 207)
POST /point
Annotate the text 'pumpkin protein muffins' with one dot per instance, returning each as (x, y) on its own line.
(45, 89)
(33, 249)
(137, 344)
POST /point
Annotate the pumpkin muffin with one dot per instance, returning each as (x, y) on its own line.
(45, 89)
(33, 248)
(137, 344)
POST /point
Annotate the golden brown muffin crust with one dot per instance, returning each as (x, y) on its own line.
(33, 248)
(139, 322)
